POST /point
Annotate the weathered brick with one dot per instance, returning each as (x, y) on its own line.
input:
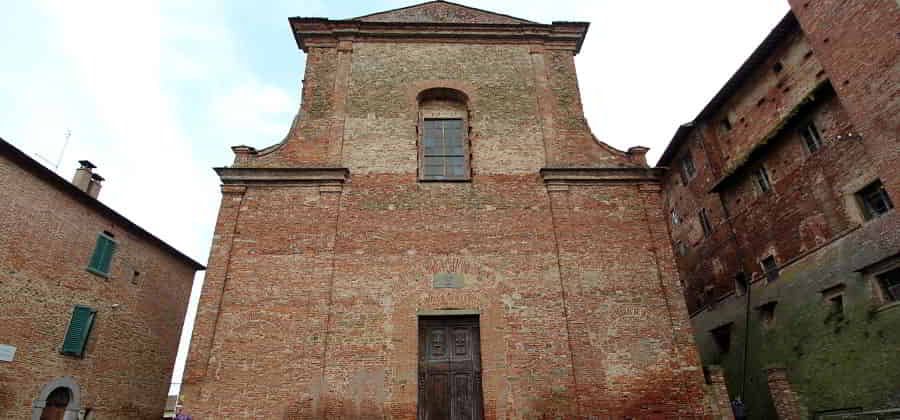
(310, 304)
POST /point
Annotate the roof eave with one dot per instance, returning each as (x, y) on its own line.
(41, 171)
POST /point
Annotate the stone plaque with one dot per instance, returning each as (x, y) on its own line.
(448, 281)
(7, 353)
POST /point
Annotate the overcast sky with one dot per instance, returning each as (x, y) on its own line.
(155, 94)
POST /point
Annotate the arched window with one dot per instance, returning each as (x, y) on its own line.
(443, 131)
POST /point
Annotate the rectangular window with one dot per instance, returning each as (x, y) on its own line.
(79, 330)
(681, 248)
(726, 124)
(767, 314)
(102, 256)
(875, 200)
(770, 268)
(811, 137)
(444, 154)
(889, 282)
(762, 179)
(704, 222)
(687, 168)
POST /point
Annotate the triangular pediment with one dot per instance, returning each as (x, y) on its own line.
(441, 12)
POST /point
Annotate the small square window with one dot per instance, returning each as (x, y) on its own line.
(770, 268)
(722, 337)
(726, 124)
(767, 314)
(762, 179)
(681, 248)
(811, 138)
(833, 298)
(687, 169)
(889, 282)
(875, 200)
(836, 304)
(704, 222)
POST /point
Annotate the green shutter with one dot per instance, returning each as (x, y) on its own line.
(102, 257)
(79, 329)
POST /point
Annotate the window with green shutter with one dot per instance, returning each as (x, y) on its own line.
(79, 330)
(102, 257)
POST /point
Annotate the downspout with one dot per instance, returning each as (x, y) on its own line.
(740, 255)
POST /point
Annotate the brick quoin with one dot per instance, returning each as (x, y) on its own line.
(328, 245)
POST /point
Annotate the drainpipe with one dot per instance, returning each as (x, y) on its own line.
(740, 255)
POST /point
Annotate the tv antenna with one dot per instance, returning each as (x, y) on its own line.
(61, 152)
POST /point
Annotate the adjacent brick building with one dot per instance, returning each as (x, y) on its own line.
(92, 305)
(440, 236)
(780, 202)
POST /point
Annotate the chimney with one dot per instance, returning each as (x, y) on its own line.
(86, 180)
(638, 154)
(94, 187)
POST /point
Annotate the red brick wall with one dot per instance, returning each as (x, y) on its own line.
(46, 241)
(857, 45)
(786, 402)
(812, 197)
(310, 304)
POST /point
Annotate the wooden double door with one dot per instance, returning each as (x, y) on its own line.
(449, 369)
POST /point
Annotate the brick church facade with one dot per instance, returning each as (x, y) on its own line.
(441, 236)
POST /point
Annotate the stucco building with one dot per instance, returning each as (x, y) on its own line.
(780, 200)
(92, 304)
(440, 236)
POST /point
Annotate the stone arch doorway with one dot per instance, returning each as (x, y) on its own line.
(58, 400)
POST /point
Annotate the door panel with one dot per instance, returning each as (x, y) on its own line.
(449, 369)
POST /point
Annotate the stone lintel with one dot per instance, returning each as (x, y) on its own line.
(600, 175)
(246, 176)
(447, 312)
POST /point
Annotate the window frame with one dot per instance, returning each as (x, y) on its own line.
(862, 197)
(809, 131)
(467, 155)
(772, 273)
(762, 180)
(705, 223)
(98, 269)
(680, 248)
(766, 313)
(688, 168)
(888, 296)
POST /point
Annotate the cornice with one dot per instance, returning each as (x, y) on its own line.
(250, 176)
(601, 175)
(320, 32)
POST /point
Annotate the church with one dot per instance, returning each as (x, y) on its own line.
(440, 236)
